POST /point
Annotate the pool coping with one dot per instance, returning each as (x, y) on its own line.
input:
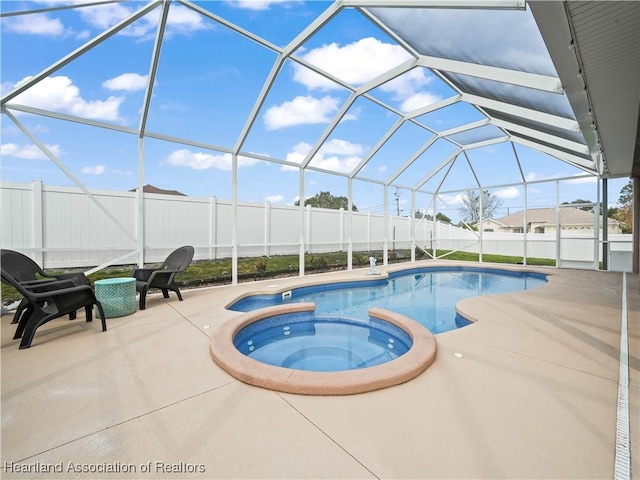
(400, 370)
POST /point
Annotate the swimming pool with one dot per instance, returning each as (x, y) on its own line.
(428, 295)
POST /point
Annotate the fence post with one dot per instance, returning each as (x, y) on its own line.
(38, 228)
(350, 225)
(558, 226)
(301, 266)
(341, 228)
(368, 231)
(385, 210)
(481, 219)
(309, 232)
(412, 226)
(524, 220)
(267, 227)
(213, 227)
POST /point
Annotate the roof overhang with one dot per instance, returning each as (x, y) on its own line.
(595, 47)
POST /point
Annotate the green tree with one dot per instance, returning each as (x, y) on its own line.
(626, 195)
(442, 218)
(581, 201)
(326, 200)
(420, 213)
(624, 214)
(470, 210)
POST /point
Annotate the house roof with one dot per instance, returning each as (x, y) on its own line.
(568, 216)
(151, 189)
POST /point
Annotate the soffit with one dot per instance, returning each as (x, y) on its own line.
(596, 44)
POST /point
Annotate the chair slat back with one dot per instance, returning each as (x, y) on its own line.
(180, 258)
(21, 267)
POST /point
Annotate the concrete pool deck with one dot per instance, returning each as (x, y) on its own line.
(533, 396)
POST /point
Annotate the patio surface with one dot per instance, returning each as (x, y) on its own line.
(534, 395)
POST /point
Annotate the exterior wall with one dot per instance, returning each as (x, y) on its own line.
(490, 224)
(548, 228)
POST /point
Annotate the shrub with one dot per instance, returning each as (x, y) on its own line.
(261, 267)
(318, 263)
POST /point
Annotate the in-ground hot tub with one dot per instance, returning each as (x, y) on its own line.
(322, 355)
(305, 341)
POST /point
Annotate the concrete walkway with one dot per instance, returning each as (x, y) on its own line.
(533, 396)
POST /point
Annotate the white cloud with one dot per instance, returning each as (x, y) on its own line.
(418, 100)
(361, 61)
(205, 161)
(274, 198)
(27, 152)
(410, 90)
(296, 155)
(510, 192)
(452, 200)
(61, 95)
(301, 110)
(129, 82)
(5, 87)
(578, 181)
(97, 170)
(355, 63)
(338, 156)
(531, 177)
(335, 163)
(105, 16)
(408, 83)
(41, 129)
(34, 24)
(83, 35)
(181, 20)
(341, 147)
(185, 21)
(256, 5)
(335, 155)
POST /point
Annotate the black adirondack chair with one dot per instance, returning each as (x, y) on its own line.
(24, 270)
(163, 277)
(46, 301)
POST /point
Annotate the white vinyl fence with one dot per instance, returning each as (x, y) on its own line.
(63, 227)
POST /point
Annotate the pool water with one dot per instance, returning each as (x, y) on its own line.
(427, 295)
(305, 341)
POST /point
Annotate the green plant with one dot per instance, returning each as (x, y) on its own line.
(360, 260)
(318, 263)
(261, 267)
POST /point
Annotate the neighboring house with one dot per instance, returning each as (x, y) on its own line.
(543, 220)
(151, 189)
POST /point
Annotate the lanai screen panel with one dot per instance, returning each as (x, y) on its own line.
(483, 54)
(499, 38)
(571, 135)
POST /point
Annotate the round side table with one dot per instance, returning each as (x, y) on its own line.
(117, 296)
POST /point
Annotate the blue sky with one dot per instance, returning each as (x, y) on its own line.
(207, 83)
